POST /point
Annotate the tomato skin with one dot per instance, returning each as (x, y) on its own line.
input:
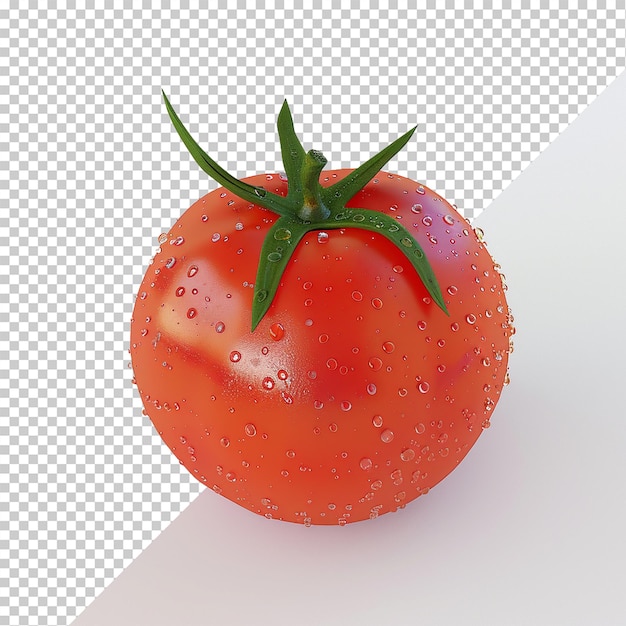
(355, 394)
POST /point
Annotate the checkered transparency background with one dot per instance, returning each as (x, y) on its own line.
(92, 173)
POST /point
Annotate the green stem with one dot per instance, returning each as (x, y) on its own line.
(313, 208)
(309, 206)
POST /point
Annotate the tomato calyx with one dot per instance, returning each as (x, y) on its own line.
(309, 206)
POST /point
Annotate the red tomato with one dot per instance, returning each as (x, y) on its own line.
(355, 393)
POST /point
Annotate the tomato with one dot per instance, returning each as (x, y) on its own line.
(355, 391)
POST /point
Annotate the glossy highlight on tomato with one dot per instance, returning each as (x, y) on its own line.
(355, 393)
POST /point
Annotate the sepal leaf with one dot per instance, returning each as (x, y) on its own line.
(257, 195)
(395, 232)
(338, 195)
(278, 246)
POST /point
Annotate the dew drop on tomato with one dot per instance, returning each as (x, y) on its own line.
(386, 436)
(277, 331)
(423, 387)
(408, 454)
(375, 363)
(366, 464)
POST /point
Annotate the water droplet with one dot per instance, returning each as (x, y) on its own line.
(162, 238)
(345, 405)
(318, 404)
(420, 429)
(283, 375)
(407, 242)
(357, 296)
(191, 313)
(454, 326)
(220, 327)
(375, 363)
(225, 441)
(371, 389)
(448, 219)
(332, 364)
(423, 387)
(238, 226)
(333, 428)
(422, 325)
(377, 420)
(398, 269)
(377, 303)
(421, 190)
(178, 241)
(470, 318)
(180, 291)
(268, 383)
(389, 347)
(323, 338)
(386, 436)
(250, 430)
(366, 464)
(274, 257)
(408, 454)
(322, 237)
(282, 234)
(235, 356)
(480, 233)
(215, 237)
(396, 477)
(452, 290)
(277, 331)
(231, 477)
(376, 485)
(427, 220)
(193, 270)
(170, 263)
(358, 217)
(416, 208)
